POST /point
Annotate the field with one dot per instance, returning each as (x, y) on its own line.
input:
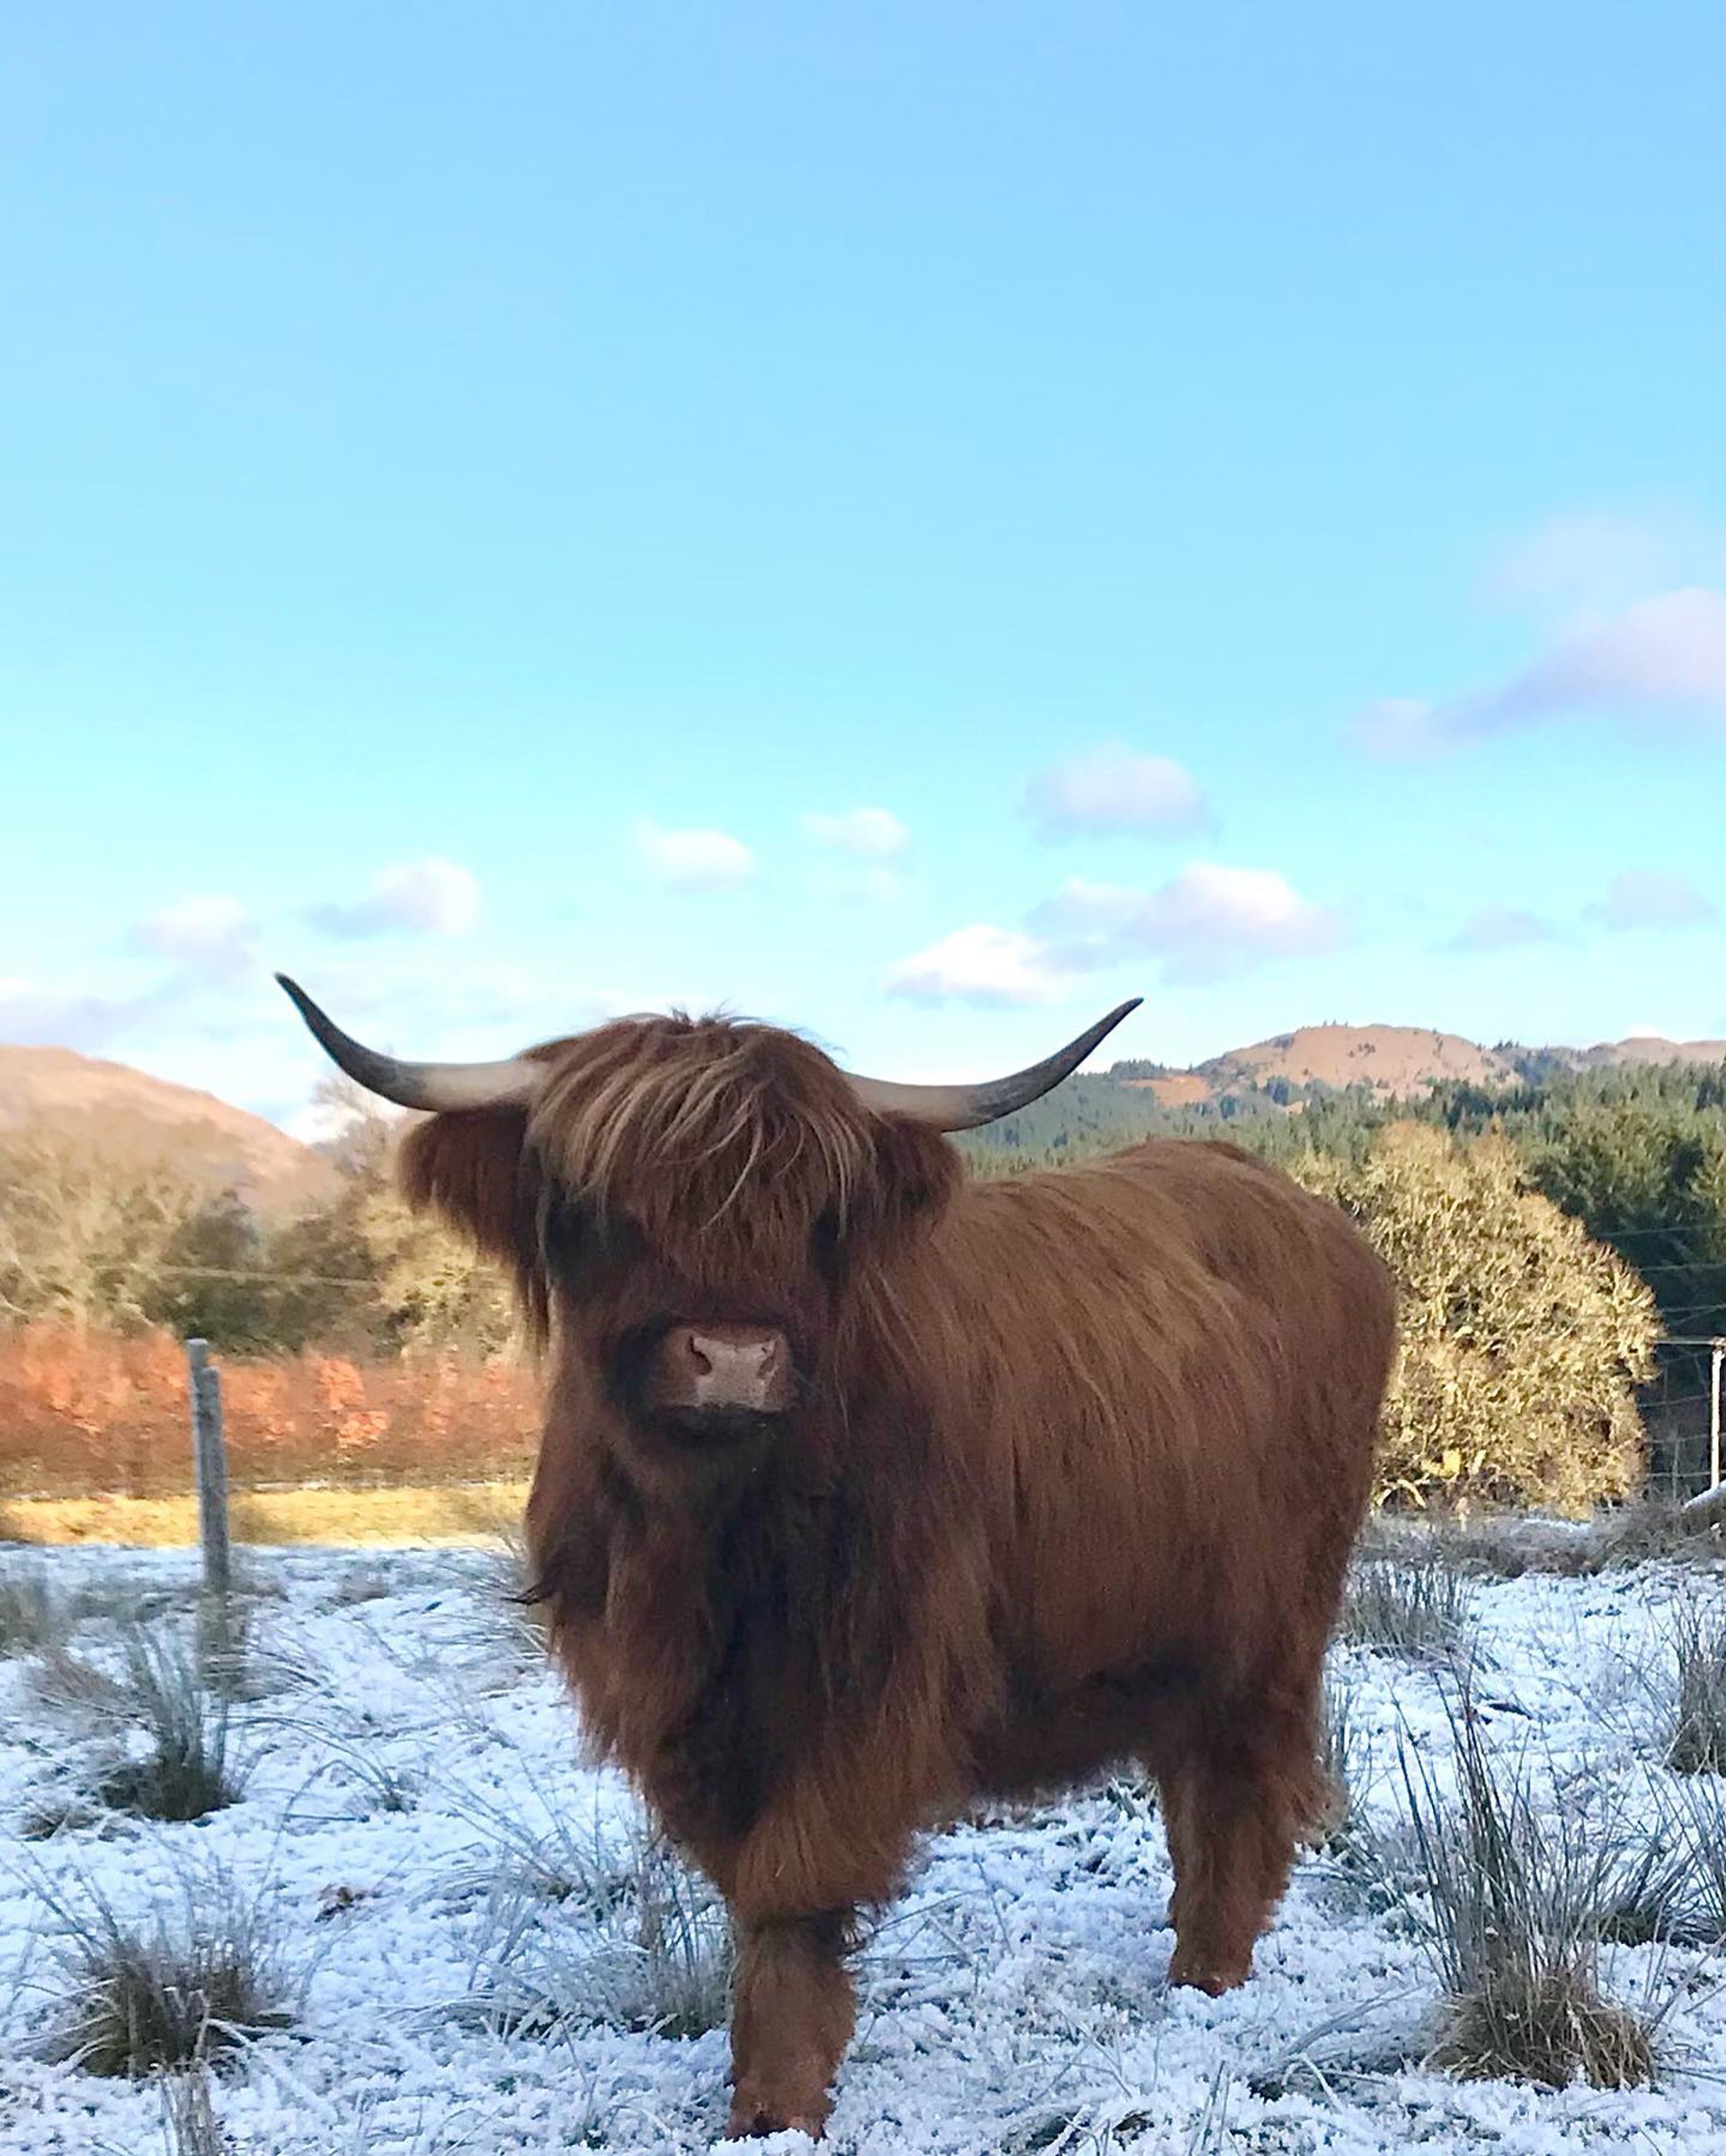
(461, 1937)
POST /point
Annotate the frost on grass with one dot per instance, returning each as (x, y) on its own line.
(1515, 1895)
(195, 1977)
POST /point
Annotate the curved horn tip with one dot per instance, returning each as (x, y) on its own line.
(435, 1087)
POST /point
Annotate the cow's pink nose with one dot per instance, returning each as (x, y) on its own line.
(724, 1366)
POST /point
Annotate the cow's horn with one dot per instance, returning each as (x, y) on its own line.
(965, 1108)
(435, 1086)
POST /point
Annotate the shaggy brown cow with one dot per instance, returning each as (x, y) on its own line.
(867, 1490)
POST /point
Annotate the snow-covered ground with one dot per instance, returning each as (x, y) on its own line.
(419, 1832)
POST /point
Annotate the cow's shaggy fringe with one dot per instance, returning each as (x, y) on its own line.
(184, 1984)
(1514, 1917)
(1698, 1740)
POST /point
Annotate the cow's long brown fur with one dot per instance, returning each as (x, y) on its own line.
(1073, 1476)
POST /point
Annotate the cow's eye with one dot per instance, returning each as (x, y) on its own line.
(569, 1233)
(829, 1245)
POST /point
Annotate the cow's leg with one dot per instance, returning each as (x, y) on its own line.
(1234, 1807)
(791, 2019)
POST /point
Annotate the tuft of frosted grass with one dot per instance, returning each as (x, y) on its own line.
(189, 1769)
(654, 1953)
(1698, 1740)
(176, 1987)
(33, 1615)
(1648, 1895)
(1422, 1607)
(1514, 1906)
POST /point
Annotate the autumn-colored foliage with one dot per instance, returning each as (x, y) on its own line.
(85, 1412)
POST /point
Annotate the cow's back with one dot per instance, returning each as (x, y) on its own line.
(1168, 1386)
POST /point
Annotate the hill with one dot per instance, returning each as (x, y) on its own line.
(128, 1115)
(1392, 1062)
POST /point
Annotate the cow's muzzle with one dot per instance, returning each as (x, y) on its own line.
(721, 1370)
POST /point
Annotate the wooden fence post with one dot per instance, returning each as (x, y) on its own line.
(209, 1454)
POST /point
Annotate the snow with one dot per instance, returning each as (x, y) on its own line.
(417, 1803)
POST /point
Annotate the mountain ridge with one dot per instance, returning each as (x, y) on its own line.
(120, 1112)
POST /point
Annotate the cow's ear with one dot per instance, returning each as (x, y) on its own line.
(471, 1169)
(920, 1170)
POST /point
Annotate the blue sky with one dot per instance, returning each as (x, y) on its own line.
(915, 521)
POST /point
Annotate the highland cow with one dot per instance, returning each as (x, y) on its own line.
(869, 1489)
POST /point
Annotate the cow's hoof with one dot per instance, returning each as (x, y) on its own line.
(750, 2117)
(1185, 1976)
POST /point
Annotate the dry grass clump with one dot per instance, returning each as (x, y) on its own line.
(1702, 1826)
(190, 1770)
(1698, 1742)
(180, 1986)
(1514, 1928)
(1422, 1607)
(188, 1767)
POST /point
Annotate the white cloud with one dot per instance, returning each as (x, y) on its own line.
(1596, 562)
(979, 964)
(38, 1017)
(1111, 789)
(211, 934)
(1501, 928)
(1208, 922)
(695, 860)
(433, 897)
(872, 834)
(1647, 899)
(1659, 657)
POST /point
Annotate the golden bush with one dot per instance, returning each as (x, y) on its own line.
(1522, 1340)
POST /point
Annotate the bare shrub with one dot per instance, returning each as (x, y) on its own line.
(180, 1985)
(84, 1411)
(1513, 1926)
